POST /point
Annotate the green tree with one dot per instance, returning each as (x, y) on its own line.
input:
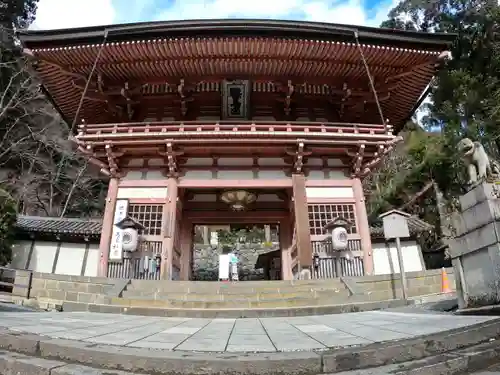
(465, 102)
(466, 94)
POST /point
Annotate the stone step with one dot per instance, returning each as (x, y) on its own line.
(227, 304)
(233, 313)
(474, 358)
(221, 288)
(234, 303)
(152, 285)
(444, 353)
(235, 296)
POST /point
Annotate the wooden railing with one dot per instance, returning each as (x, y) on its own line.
(242, 128)
(332, 264)
(135, 267)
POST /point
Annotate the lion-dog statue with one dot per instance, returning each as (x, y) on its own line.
(479, 165)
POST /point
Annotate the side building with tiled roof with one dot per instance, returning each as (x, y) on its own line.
(71, 245)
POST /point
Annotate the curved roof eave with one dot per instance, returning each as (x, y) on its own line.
(218, 27)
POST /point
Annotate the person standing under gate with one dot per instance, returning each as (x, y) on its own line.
(233, 261)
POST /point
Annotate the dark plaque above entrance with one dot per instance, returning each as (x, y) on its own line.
(235, 99)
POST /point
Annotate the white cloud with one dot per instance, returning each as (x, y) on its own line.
(346, 12)
(199, 9)
(61, 14)
(351, 12)
(53, 14)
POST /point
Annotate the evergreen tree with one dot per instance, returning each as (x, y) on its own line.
(465, 102)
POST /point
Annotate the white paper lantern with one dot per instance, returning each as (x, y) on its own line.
(339, 238)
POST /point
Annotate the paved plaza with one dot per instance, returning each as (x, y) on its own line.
(234, 335)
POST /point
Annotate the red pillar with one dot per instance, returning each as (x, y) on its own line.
(107, 226)
(303, 236)
(363, 226)
(168, 229)
(285, 243)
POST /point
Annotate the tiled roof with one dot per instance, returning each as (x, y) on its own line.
(415, 225)
(55, 225)
(92, 227)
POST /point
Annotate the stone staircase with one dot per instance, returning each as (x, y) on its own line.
(248, 294)
(206, 299)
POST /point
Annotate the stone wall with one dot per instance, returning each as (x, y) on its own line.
(206, 261)
(389, 286)
(51, 288)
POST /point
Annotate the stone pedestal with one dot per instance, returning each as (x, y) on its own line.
(475, 251)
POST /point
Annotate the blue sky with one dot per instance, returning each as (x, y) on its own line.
(53, 14)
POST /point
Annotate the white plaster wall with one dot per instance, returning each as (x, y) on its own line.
(239, 162)
(198, 175)
(329, 192)
(20, 254)
(154, 175)
(385, 257)
(330, 175)
(93, 257)
(272, 175)
(316, 175)
(142, 192)
(271, 161)
(43, 256)
(70, 260)
(235, 175)
(133, 175)
(338, 175)
(199, 161)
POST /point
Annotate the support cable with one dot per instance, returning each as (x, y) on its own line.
(87, 84)
(372, 84)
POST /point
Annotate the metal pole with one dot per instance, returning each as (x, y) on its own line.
(87, 84)
(401, 269)
(370, 77)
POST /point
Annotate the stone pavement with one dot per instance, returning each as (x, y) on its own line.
(234, 335)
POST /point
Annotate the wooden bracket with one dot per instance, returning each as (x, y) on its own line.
(358, 161)
(171, 159)
(345, 96)
(289, 90)
(128, 94)
(298, 155)
(184, 92)
(113, 165)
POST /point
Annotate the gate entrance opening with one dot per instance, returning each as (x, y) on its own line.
(256, 247)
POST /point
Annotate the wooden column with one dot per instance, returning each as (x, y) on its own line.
(285, 243)
(363, 226)
(168, 226)
(186, 240)
(107, 226)
(303, 236)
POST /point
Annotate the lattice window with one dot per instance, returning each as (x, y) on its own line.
(321, 214)
(149, 215)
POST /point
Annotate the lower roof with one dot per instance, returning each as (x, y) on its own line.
(59, 226)
(75, 227)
